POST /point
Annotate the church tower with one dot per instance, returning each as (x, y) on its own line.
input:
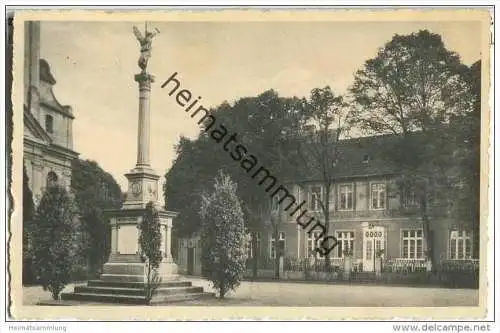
(48, 125)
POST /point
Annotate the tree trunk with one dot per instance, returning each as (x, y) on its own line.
(276, 254)
(475, 229)
(428, 235)
(326, 214)
(327, 225)
(255, 255)
(222, 291)
(148, 284)
(476, 242)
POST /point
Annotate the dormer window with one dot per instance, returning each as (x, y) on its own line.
(49, 123)
(366, 158)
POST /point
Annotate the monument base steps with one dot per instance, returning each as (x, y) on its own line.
(126, 282)
(133, 292)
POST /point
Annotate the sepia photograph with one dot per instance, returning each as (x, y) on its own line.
(240, 161)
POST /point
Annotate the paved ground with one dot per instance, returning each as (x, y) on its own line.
(303, 294)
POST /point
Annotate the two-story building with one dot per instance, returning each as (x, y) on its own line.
(369, 215)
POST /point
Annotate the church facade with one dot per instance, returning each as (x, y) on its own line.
(48, 135)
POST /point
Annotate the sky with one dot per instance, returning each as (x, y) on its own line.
(94, 65)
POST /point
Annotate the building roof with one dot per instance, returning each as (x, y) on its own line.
(361, 157)
(47, 98)
(364, 156)
(45, 74)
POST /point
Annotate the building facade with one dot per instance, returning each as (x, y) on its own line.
(369, 216)
(48, 135)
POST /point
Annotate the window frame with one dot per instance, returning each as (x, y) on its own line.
(250, 253)
(311, 240)
(298, 193)
(49, 123)
(407, 203)
(52, 179)
(313, 201)
(272, 252)
(341, 242)
(339, 197)
(462, 236)
(415, 239)
(378, 196)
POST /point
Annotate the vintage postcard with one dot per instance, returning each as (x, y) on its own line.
(325, 164)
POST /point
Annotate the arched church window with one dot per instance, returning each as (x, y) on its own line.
(52, 179)
(49, 123)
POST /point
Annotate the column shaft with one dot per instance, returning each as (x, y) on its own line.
(163, 242)
(168, 243)
(117, 237)
(143, 133)
(113, 239)
(144, 128)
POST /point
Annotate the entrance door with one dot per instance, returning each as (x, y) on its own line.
(190, 261)
(373, 242)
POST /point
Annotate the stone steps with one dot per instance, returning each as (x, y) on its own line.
(134, 299)
(101, 283)
(127, 291)
(135, 291)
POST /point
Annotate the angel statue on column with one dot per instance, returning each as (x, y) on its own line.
(145, 42)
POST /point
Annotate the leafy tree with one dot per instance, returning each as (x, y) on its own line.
(467, 129)
(223, 236)
(268, 119)
(95, 191)
(319, 148)
(258, 123)
(54, 239)
(28, 215)
(150, 243)
(411, 89)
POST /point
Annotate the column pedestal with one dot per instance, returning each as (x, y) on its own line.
(125, 263)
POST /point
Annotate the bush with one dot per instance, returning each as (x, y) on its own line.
(95, 191)
(223, 237)
(54, 239)
(150, 249)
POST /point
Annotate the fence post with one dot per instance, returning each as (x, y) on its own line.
(378, 268)
(281, 268)
(347, 267)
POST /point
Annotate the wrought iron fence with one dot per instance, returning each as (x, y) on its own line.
(451, 273)
(462, 273)
(262, 263)
(459, 265)
(313, 264)
(404, 265)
